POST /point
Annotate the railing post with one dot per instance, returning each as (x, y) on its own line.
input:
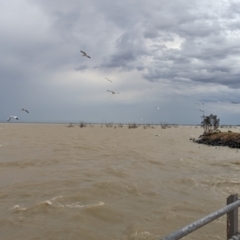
(232, 217)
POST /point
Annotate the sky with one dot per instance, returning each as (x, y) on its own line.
(180, 56)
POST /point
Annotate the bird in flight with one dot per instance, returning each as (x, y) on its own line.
(157, 108)
(201, 110)
(84, 54)
(108, 79)
(113, 92)
(199, 103)
(12, 117)
(235, 102)
(25, 110)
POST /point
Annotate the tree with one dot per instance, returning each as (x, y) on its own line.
(210, 123)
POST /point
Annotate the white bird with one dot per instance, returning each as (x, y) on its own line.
(157, 108)
(108, 80)
(113, 92)
(84, 54)
(12, 117)
(25, 110)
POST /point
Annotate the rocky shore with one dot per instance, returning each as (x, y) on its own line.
(229, 139)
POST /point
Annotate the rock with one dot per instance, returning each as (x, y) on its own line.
(229, 139)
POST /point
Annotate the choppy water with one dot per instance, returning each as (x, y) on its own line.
(110, 183)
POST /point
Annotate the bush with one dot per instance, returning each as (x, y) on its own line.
(210, 123)
(132, 125)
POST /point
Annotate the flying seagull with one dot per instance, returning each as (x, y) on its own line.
(157, 108)
(84, 54)
(201, 110)
(108, 80)
(113, 92)
(12, 117)
(25, 110)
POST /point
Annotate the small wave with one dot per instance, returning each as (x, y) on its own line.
(108, 187)
(116, 171)
(18, 208)
(78, 205)
(35, 209)
(144, 235)
(155, 162)
(21, 164)
(221, 181)
(140, 235)
(47, 202)
(235, 163)
(131, 188)
(104, 213)
(43, 206)
(55, 198)
(223, 184)
(54, 201)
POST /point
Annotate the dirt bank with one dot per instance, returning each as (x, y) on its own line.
(229, 139)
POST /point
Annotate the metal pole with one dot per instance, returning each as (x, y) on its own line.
(235, 237)
(232, 217)
(201, 222)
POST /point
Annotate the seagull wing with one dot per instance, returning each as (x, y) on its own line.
(108, 80)
(111, 92)
(84, 54)
(12, 117)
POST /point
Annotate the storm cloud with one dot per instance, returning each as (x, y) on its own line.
(168, 53)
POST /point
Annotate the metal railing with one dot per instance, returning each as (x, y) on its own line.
(232, 221)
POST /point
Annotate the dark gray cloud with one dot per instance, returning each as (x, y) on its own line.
(173, 43)
(205, 45)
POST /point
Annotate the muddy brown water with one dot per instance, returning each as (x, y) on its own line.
(110, 183)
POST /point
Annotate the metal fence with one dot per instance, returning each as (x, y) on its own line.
(232, 221)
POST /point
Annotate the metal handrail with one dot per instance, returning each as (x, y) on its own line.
(231, 230)
(235, 237)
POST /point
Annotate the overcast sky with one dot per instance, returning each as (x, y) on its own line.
(169, 54)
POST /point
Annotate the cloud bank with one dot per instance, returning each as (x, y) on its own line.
(164, 53)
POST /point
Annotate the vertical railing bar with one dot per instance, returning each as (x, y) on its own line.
(232, 217)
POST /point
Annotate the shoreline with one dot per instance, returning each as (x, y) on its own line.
(229, 139)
